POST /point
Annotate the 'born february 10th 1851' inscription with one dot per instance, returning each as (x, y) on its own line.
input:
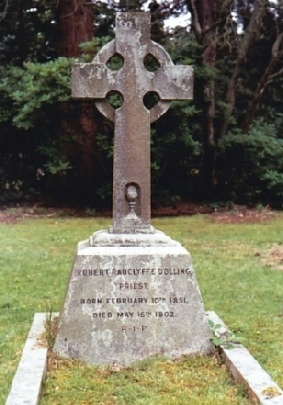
(153, 300)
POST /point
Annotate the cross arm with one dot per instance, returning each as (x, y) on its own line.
(92, 81)
(174, 82)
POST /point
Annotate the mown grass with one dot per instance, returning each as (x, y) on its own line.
(35, 260)
(197, 380)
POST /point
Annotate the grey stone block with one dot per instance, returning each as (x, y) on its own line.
(26, 386)
(126, 303)
(248, 372)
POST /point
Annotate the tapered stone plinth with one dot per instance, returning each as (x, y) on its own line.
(131, 297)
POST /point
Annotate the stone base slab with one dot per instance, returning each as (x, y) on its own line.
(104, 238)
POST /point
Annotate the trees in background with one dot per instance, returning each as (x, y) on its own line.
(241, 51)
(227, 144)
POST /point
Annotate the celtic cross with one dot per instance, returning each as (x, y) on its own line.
(95, 81)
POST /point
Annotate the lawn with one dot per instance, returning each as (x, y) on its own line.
(232, 267)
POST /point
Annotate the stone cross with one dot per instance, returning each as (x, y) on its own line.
(94, 81)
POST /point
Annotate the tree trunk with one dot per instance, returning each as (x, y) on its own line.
(267, 77)
(249, 37)
(203, 19)
(75, 25)
(209, 56)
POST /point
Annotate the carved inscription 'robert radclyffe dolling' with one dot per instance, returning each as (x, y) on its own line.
(131, 272)
(132, 291)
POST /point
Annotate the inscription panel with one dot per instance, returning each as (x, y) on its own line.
(121, 308)
(144, 307)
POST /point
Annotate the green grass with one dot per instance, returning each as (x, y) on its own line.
(35, 260)
(195, 381)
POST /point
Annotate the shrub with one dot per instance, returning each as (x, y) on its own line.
(250, 167)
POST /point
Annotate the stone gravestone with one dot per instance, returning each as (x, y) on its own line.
(132, 291)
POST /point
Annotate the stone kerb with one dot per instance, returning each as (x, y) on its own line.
(246, 371)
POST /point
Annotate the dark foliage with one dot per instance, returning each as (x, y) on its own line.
(39, 160)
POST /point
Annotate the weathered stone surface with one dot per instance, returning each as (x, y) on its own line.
(93, 81)
(26, 387)
(126, 303)
(132, 291)
(104, 238)
(248, 372)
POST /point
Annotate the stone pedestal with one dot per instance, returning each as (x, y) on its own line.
(131, 297)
